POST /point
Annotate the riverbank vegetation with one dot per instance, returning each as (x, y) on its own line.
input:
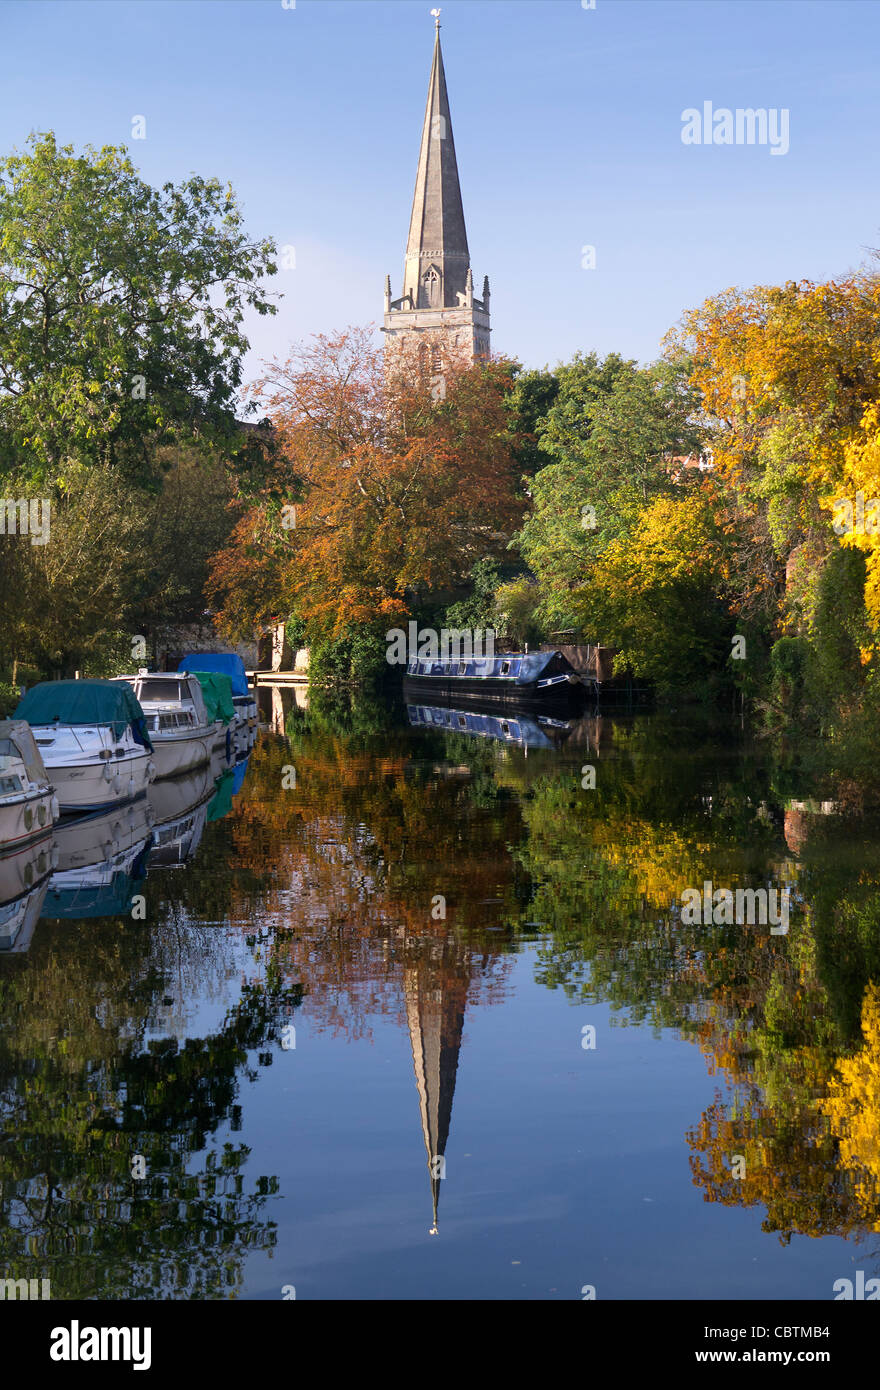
(121, 310)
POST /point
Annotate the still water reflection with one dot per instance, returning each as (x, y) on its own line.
(402, 1006)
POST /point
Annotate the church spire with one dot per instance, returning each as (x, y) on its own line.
(438, 307)
(437, 257)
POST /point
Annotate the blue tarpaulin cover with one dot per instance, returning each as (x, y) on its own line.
(227, 663)
(85, 703)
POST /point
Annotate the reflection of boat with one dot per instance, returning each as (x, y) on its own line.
(22, 868)
(221, 802)
(93, 740)
(180, 810)
(101, 859)
(181, 733)
(28, 804)
(19, 919)
(24, 877)
(525, 730)
(231, 665)
(533, 678)
(238, 773)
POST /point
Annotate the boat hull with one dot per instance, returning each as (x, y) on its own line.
(175, 756)
(91, 786)
(26, 817)
(493, 691)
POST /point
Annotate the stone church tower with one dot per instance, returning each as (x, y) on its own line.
(438, 305)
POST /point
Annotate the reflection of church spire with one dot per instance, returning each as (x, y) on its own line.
(436, 993)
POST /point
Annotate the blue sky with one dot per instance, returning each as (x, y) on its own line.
(567, 126)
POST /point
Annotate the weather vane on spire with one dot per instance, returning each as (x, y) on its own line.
(436, 14)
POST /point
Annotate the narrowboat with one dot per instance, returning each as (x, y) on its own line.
(530, 679)
(93, 740)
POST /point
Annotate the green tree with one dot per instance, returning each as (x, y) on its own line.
(121, 308)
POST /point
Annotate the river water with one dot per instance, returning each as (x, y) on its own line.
(406, 1005)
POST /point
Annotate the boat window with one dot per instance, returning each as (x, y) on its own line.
(505, 668)
(462, 668)
(462, 721)
(159, 690)
(9, 784)
(505, 727)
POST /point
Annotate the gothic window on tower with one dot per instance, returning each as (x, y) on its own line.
(436, 360)
(431, 282)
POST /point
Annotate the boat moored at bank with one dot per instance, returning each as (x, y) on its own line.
(93, 739)
(526, 678)
(28, 804)
(180, 730)
(231, 665)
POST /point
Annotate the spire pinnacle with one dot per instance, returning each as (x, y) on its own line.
(437, 256)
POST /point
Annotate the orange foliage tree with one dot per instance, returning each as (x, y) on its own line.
(391, 482)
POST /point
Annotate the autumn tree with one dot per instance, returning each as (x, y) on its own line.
(390, 485)
(789, 378)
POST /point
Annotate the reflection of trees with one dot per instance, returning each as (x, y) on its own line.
(608, 864)
(771, 1014)
(327, 889)
(358, 850)
(83, 1089)
(800, 1113)
(853, 1106)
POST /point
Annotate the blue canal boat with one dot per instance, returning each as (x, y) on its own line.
(528, 679)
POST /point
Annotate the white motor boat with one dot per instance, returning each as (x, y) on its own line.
(180, 730)
(28, 804)
(93, 740)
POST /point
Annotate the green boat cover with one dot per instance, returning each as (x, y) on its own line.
(217, 691)
(85, 703)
